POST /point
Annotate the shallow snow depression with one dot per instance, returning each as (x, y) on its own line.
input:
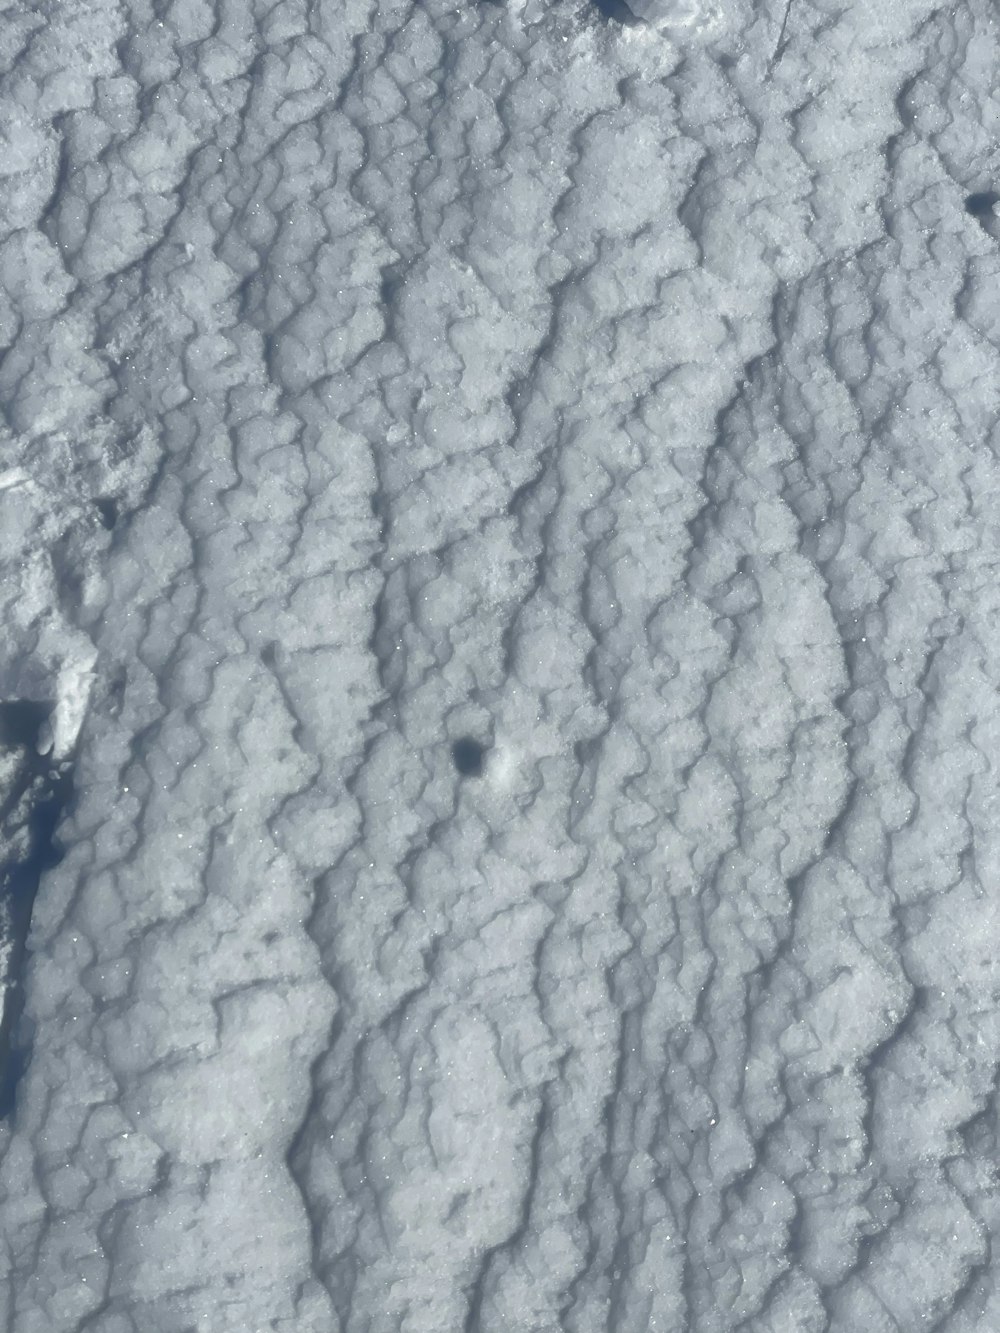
(498, 524)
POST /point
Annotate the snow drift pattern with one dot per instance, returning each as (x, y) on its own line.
(511, 498)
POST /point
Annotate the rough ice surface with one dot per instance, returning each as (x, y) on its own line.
(498, 530)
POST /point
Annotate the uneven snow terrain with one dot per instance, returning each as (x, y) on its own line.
(499, 581)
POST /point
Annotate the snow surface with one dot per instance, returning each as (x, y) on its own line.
(385, 380)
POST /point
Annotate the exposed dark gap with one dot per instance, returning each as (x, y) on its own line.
(616, 11)
(30, 816)
(981, 204)
(108, 511)
(21, 723)
(468, 755)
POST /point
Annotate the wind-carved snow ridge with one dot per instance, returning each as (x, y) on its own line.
(497, 512)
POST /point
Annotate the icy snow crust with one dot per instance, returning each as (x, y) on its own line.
(621, 399)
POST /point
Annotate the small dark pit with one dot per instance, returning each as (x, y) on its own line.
(107, 511)
(981, 204)
(469, 757)
(616, 11)
(21, 722)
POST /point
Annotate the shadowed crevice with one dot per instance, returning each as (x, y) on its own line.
(36, 798)
(616, 11)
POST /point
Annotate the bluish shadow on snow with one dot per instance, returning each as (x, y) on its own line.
(982, 203)
(21, 723)
(468, 755)
(616, 11)
(29, 817)
(108, 511)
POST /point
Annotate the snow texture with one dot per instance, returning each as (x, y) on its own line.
(498, 535)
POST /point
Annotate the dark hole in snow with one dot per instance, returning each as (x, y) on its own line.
(15, 1062)
(31, 816)
(616, 11)
(21, 722)
(108, 511)
(393, 279)
(981, 204)
(468, 756)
